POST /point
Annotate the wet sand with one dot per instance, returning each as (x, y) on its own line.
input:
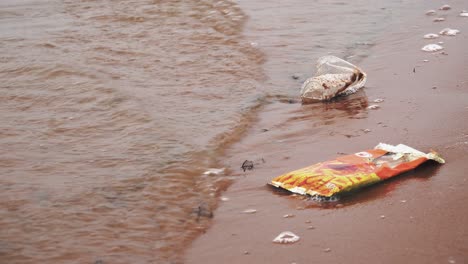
(418, 217)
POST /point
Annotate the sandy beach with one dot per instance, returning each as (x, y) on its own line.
(418, 217)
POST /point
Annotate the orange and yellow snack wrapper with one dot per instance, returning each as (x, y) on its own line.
(351, 172)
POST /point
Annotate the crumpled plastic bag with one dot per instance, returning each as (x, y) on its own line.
(351, 172)
(334, 77)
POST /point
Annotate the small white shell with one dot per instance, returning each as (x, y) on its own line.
(432, 48)
(439, 19)
(464, 14)
(373, 107)
(249, 211)
(445, 7)
(286, 237)
(431, 36)
(449, 32)
(430, 12)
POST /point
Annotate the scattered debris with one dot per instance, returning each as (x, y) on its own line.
(432, 48)
(431, 36)
(286, 237)
(464, 13)
(265, 130)
(288, 215)
(367, 130)
(334, 77)
(249, 211)
(378, 100)
(439, 19)
(403, 201)
(214, 171)
(224, 199)
(414, 69)
(440, 42)
(434, 87)
(425, 60)
(246, 253)
(326, 250)
(373, 107)
(430, 12)
(382, 216)
(247, 165)
(449, 32)
(310, 227)
(445, 7)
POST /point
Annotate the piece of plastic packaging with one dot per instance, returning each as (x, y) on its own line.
(334, 77)
(351, 172)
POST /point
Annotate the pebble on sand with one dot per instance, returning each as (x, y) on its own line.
(439, 19)
(430, 12)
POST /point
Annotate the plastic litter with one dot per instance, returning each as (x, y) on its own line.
(431, 36)
(334, 77)
(449, 32)
(351, 172)
(464, 14)
(432, 48)
(286, 237)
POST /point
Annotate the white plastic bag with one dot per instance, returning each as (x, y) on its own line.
(334, 77)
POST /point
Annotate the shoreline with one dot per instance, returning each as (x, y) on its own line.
(426, 228)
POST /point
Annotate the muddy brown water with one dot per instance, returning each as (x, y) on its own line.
(111, 111)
